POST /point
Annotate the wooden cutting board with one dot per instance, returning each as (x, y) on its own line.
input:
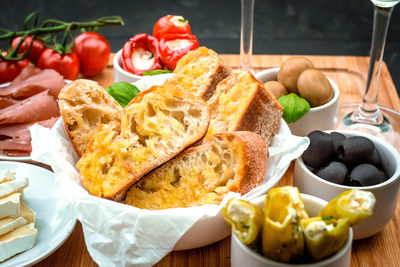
(382, 249)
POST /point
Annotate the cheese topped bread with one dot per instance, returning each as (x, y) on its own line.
(204, 174)
(84, 105)
(241, 103)
(155, 126)
(199, 72)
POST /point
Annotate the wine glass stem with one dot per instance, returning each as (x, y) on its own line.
(246, 35)
(369, 112)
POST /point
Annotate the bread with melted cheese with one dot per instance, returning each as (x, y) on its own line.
(84, 105)
(155, 126)
(204, 174)
(241, 103)
(199, 72)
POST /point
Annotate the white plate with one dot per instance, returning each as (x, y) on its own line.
(24, 158)
(54, 218)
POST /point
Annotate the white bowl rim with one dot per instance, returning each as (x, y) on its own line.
(324, 262)
(394, 177)
(118, 67)
(331, 102)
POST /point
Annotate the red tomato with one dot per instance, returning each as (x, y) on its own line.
(170, 24)
(9, 69)
(67, 64)
(36, 50)
(93, 51)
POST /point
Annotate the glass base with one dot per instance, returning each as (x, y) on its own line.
(389, 129)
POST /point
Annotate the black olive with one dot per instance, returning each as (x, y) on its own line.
(337, 139)
(355, 150)
(375, 159)
(319, 151)
(334, 172)
(366, 175)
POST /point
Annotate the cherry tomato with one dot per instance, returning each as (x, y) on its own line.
(170, 24)
(36, 50)
(93, 51)
(9, 69)
(67, 64)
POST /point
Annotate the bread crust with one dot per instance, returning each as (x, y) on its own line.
(256, 155)
(249, 174)
(78, 97)
(126, 158)
(218, 71)
(262, 115)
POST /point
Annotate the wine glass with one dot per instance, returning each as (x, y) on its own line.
(368, 116)
(246, 35)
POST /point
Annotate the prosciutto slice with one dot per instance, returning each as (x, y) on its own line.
(39, 107)
(6, 101)
(15, 140)
(46, 79)
(28, 71)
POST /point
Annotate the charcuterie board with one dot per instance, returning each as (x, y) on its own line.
(349, 72)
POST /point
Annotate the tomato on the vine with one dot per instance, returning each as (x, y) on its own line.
(66, 64)
(93, 51)
(36, 50)
(9, 69)
(170, 24)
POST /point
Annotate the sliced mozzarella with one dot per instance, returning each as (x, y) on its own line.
(10, 205)
(17, 241)
(142, 59)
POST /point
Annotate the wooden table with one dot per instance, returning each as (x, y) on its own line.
(383, 249)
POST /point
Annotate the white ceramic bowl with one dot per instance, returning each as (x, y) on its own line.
(121, 75)
(241, 255)
(386, 193)
(318, 118)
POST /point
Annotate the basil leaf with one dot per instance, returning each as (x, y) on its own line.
(294, 107)
(155, 72)
(326, 218)
(123, 92)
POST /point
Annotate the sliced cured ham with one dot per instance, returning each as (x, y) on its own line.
(28, 71)
(39, 107)
(15, 139)
(47, 79)
(6, 101)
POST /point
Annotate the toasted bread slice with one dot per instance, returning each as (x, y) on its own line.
(199, 72)
(84, 105)
(241, 103)
(203, 174)
(156, 126)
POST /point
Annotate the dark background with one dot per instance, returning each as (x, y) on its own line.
(339, 27)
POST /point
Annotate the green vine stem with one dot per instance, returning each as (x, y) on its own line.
(56, 27)
(101, 22)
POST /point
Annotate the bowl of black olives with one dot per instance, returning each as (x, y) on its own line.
(336, 161)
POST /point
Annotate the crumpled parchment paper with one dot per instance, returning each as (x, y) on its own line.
(121, 235)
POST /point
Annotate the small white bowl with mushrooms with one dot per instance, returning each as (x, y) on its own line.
(298, 76)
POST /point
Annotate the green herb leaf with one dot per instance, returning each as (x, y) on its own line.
(326, 218)
(123, 92)
(155, 72)
(294, 107)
